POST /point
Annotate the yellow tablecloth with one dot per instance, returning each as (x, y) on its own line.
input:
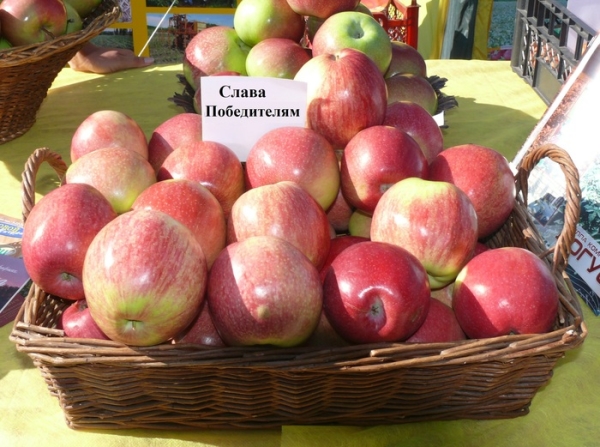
(496, 108)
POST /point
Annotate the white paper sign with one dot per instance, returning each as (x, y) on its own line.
(238, 110)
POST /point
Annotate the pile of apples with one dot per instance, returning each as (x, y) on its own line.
(175, 240)
(25, 22)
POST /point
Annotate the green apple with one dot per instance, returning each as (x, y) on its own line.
(353, 29)
(74, 21)
(257, 20)
(83, 7)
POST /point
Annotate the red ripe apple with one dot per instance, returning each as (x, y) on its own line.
(201, 331)
(409, 87)
(360, 224)
(257, 20)
(339, 104)
(211, 164)
(406, 60)
(485, 176)
(297, 154)
(505, 291)
(338, 214)
(83, 7)
(413, 119)
(179, 130)
(194, 206)
(353, 29)
(375, 292)
(27, 22)
(376, 158)
(77, 322)
(144, 277)
(435, 221)
(108, 128)
(119, 174)
(276, 57)
(440, 326)
(57, 234)
(338, 244)
(284, 210)
(322, 9)
(263, 290)
(213, 50)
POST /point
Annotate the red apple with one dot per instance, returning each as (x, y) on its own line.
(435, 221)
(505, 291)
(57, 234)
(339, 213)
(440, 326)
(27, 22)
(144, 277)
(353, 29)
(213, 50)
(406, 60)
(108, 128)
(211, 164)
(339, 105)
(77, 322)
(485, 176)
(179, 130)
(83, 7)
(338, 244)
(119, 174)
(201, 331)
(263, 290)
(257, 20)
(194, 206)
(376, 158)
(276, 57)
(322, 9)
(413, 119)
(296, 154)
(284, 210)
(409, 87)
(375, 292)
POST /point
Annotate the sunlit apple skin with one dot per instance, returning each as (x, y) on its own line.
(119, 174)
(263, 290)
(406, 60)
(413, 119)
(409, 87)
(194, 206)
(179, 130)
(276, 57)
(77, 322)
(504, 291)
(435, 221)
(322, 9)
(284, 210)
(211, 164)
(375, 159)
(339, 105)
(257, 20)
(485, 176)
(440, 326)
(108, 128)
(338, 244)
(297, 154)
(375, 292)
(144, 278)
(213, 50)
(27, 22)
(57, 234)
(360, 224)
(353, 29)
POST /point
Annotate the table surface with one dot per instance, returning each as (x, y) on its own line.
(496, 109)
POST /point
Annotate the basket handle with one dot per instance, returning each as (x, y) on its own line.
(30, 171)
(562, 248)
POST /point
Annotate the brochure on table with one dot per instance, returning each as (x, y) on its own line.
(571, 122)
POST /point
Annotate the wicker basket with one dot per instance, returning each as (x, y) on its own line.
(104, 384)
(27, 72)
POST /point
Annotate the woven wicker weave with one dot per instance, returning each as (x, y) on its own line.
(103, 384)
(27, 72)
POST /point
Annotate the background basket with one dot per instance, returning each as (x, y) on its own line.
(27, 72)
(103, 384)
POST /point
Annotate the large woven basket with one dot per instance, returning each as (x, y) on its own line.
(27, 72)
(104, 384)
